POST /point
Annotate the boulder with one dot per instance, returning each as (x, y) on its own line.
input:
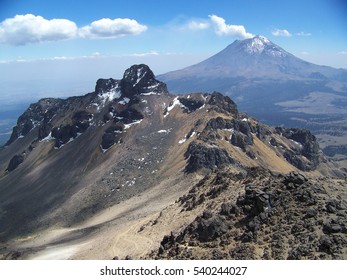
(210, 227)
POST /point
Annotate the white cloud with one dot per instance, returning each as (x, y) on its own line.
(151, 53)
(25, 29)
(303, 33)
(342, 52)
(221, 28)
(197, 25)
(112, 28)
(60, 58)
(281, 32)
(28, 29)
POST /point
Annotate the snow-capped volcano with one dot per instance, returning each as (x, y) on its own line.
(256, 57)
(256, 45)
(262, 45)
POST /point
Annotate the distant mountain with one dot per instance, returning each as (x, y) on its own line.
(274, 86)
(86, 175)
(256, 58)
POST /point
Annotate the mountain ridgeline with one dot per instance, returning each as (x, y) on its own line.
(69, 161)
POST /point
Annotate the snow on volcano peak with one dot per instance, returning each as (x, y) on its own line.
(256, 45)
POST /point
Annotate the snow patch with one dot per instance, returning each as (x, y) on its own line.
(264, 39)
(256, 45)
(231, 130)
(131, 124)
(152, 86)
(182, 140)
(110, 95)
(124, 101)
(185, 138)
(140, 74)
(48, 138)
(149, 93)
(296, 143)
(174, 103)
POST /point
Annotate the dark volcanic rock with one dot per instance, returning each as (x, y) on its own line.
(210, 227)
(131, 115)
(205, 156)
(310, 147)
(296, 160)
(112, 135)
(262, 132)
(44, 130)
(35, 115)
(191, 104)
(223, 104)
(139, 79)
(295, 178)
(241, 140)
(81, 120)
(15, 162)
(242, 135)
(276, 217)
(63, 134)
(105, 85)
(218, 123)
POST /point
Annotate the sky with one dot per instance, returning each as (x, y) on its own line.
(60, 48)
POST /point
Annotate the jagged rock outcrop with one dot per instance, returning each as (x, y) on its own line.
(275, 217)
(38, 113)
(222, 104)
(307, 146)
(140, 80)
(192, 103)
(204, 156)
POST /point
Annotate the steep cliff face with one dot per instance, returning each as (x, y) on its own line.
(70, 159)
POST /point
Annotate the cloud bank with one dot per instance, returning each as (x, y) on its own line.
(28, 29)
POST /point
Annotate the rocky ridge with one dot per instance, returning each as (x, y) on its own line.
(260, 215)
(82, 155)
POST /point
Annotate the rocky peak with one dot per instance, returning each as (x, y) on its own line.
(105, 85)
(140, 80)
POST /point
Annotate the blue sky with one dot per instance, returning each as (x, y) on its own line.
(69, 44)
